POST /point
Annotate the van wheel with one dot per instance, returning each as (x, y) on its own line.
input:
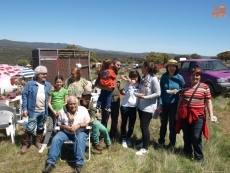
(212, 91)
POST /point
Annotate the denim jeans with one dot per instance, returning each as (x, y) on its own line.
(79, 146)
(38, 120)
(168, 115)
(131, 114)
(105, 96)
(97, 129)
(193, 137)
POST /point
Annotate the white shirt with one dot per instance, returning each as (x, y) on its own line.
(130, 100)
(81, 116)
(41, 98)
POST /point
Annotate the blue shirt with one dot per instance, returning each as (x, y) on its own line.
(29, 96)
(166, 83)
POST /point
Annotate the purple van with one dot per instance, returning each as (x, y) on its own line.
(214, 73)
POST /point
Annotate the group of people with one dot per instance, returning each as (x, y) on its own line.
(68, 106)
(179, 104)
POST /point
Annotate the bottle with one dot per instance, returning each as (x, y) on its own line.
(4, 92)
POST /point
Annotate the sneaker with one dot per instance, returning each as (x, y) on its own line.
(142, 152)
(48, 168)
(44, 146)
(108, 109)
(124, 144)
(129, 143)
(77, 169)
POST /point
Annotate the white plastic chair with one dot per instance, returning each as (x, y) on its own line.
(70, 142)
(95, 95)
(7, 120)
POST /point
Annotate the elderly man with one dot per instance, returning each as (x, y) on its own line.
(35, 106)
(74, 131)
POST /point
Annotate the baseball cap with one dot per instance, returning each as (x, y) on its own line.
(86, 93)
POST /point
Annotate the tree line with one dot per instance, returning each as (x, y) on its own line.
(23, 56)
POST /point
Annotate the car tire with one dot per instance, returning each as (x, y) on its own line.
(212, 91)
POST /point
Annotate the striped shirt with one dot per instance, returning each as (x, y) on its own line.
(200, 96)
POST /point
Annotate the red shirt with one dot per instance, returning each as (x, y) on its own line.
(198, 101)
(107, 78)
(196, 106)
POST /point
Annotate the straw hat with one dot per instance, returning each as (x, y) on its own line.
(172, 62)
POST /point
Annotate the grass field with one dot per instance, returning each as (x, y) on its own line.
(120, 160)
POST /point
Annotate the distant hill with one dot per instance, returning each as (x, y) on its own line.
(12, 51)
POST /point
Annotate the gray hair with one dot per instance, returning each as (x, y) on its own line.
(72, 98)
(40, 69)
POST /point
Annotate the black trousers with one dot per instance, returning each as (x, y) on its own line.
(145, 118)
(168, 115)
(115, 106)
(128, 116)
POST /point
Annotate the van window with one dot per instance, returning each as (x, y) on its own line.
(185, 66)
(213, 65)
(193, 65)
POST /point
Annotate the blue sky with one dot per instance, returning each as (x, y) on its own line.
(166, 26)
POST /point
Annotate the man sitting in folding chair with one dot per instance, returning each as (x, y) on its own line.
(97, 127)
(74, 131)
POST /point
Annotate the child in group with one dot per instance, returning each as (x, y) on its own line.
(128, 106)
(107, 78)
(57, 98)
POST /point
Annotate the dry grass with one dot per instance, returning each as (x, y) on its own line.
(120, 160)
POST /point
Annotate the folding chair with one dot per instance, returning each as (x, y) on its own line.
(7, 120)
(95, 95)
(66, 143)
